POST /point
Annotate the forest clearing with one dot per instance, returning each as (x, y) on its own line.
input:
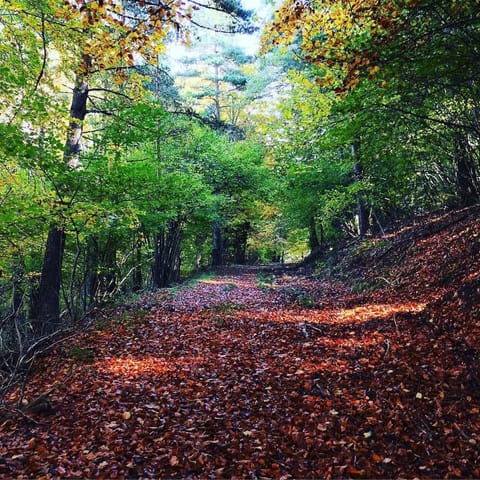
(255, 373)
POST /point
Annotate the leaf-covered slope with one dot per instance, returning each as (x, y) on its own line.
(248, 375)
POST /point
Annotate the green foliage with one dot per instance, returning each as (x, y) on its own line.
(265, 280)
(398, 91)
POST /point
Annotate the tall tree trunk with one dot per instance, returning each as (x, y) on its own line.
(362, 214)
(48, 306)
(217, 247)
(47, 315)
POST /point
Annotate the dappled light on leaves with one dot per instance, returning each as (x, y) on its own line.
(131, 367)
(368, 312)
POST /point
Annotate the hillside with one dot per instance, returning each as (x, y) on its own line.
(368, 368)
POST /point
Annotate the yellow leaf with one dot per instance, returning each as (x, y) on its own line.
(126, 415)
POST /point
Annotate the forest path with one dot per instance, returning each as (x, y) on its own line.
(244, 375)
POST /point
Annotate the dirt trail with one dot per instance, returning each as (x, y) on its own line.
(248, 376)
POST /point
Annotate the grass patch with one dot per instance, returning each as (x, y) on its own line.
(265, 280)
(223, 312)
(363, 286)
(190, 283)
(300, 296)
(83, 355)
(128, 319)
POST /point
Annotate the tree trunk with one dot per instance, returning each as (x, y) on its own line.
(217, 250)
(166, 267)
(47, 315)
(92, 280)
(138, 274)
(110, 268)
(313, 237)
(200, 239)
(362, 214)
(47, 309)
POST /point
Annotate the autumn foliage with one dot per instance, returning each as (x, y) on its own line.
(372, 372)
(346, 40)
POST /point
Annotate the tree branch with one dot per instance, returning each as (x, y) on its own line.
(114, 92)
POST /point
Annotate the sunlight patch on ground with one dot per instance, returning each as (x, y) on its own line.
(367, 312)
(228, 282)
(373, 311)
(352, 341)
(362, 314)
(133, 367)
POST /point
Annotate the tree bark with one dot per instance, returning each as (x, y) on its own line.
(47, 315)
(47, 309)
(166, 267)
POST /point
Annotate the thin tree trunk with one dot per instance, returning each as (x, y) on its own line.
(199, 241)
(92, 277)
(362, 214)
(217, 248)
(166, 267)
(137, 275)
(313, 237)
(18, 291)
(110, 268)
